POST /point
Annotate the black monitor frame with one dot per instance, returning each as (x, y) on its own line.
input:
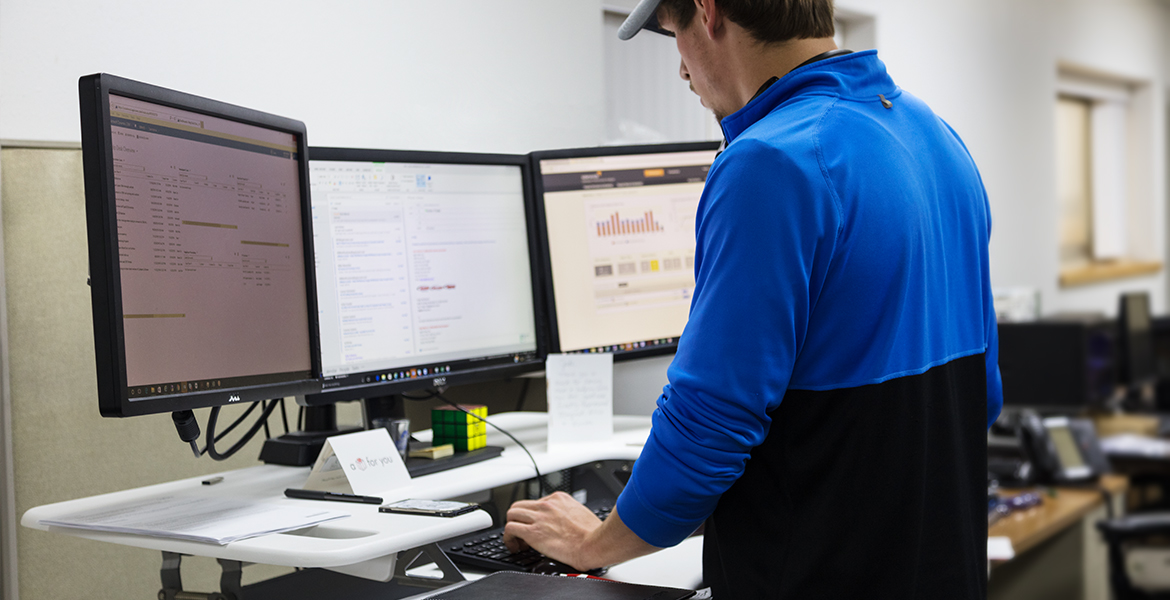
(463, 371)
(1061, 363)
(104, 265)
(1135, 336)
(538, 186)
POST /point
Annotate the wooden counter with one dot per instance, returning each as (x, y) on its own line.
(1060, 510)
(1059, 553)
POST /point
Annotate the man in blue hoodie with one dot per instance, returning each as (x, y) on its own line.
(828, 403)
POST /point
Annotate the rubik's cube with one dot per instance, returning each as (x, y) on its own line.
(455, 427)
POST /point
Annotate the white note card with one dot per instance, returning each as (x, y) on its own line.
(1000, 548)
(364, 463)
(580, 398)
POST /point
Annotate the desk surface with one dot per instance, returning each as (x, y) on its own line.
(367, 534)
(1029, 528)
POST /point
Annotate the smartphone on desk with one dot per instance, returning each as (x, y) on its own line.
(432, 508)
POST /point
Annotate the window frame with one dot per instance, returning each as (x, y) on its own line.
(1121, 198)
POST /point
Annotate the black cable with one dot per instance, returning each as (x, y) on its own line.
(539, 478)
(188, 428)
(236, 423)
(523, 394)
(301, 418)
(437, 394)
(268, 434)
(283, 415)
(212, 438)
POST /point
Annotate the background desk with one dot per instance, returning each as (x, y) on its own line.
(1059, 553)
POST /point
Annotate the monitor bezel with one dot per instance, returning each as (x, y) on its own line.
(105, 273)
(1132, 350)
(546, 257)
(464, 376)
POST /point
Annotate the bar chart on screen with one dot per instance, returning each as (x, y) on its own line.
(616, 224)
(642, 247)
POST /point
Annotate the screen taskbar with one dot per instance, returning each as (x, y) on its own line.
(626, 347)
(158, 390)
(425, 371)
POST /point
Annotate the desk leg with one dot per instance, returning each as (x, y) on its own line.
(1071, 565)
(1096, 555)
(229, 581)
(172, 580)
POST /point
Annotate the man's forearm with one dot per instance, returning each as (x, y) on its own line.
(611, 543)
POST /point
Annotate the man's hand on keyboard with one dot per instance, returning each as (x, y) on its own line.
(563, 529)
(557, 526)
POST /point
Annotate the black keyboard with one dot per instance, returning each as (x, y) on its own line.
(485, 551)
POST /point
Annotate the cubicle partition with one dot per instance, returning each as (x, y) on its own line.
(61, 447)
(9, 579)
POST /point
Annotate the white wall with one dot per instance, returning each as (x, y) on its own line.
(989, 68)
(646, 101)
(501, 76)
(518, 75)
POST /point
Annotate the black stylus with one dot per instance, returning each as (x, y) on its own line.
(332, 496)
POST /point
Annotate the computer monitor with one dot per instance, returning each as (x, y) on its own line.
(425, 272)
(199, 254)
(1060, 364)
(618, 231)
(1135, 340)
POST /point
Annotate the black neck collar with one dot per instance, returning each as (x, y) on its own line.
(819, 57)
(768, 83)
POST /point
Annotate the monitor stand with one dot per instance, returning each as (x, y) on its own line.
(300, 448)
(377, 411)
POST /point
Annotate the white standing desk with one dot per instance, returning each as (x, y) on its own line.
(366, 543)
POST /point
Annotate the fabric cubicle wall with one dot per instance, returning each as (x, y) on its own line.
(9, 579)
(61, 447)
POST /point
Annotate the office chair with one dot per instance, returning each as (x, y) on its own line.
(1121, 535)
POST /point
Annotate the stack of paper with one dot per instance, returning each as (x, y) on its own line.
(1128, 444)
(197, 519)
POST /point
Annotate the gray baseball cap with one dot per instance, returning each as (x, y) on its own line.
(644, 16)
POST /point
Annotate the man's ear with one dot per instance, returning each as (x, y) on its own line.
(710, 17)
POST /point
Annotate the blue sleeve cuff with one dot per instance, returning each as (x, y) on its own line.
(994, 394)
(654, 528)
(681, 474)
(991, 358)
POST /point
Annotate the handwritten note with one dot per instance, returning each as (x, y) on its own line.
(580, 398)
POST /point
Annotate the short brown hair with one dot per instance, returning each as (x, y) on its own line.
(769, 21)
